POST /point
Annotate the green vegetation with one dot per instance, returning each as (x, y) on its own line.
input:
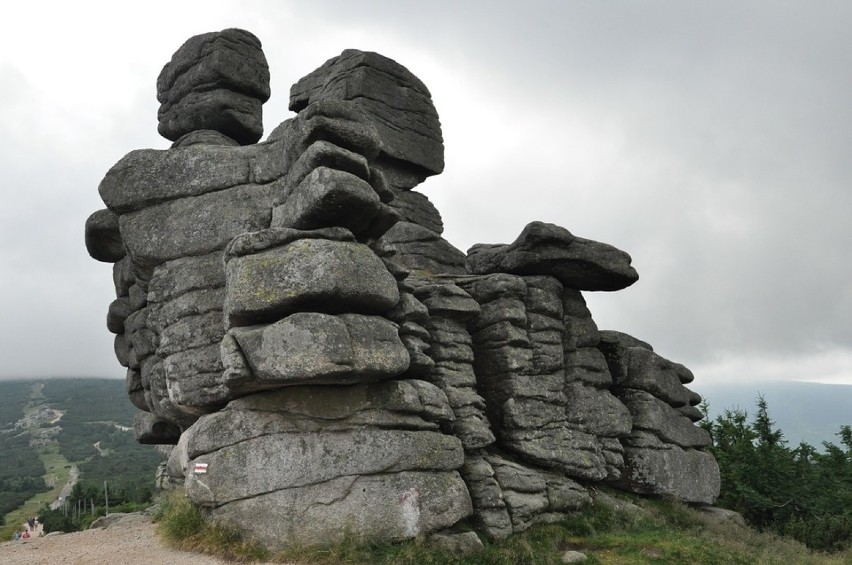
(48, 426)
(654, 531)
(21, 472)
(183, 527)
(799, 492)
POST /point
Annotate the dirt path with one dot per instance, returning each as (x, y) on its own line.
(73, 475)
(129, 542)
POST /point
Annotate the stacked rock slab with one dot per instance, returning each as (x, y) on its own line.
(324, 362)
(663, 454)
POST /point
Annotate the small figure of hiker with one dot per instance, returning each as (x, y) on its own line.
(26, 535)
(16, 536)
(31, 523)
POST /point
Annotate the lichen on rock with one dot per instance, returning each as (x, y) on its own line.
(325, 362)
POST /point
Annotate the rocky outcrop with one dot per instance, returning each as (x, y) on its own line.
(546, 249)
(215, 81)
(663, 453)
(325, 363)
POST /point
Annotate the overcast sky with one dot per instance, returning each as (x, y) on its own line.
(710, 140)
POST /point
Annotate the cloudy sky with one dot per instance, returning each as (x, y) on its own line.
(710, 140)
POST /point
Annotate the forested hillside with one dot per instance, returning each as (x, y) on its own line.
(48, 427)
(795, 491)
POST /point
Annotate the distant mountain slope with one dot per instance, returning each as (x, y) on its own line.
(49, 426)
(809, 412)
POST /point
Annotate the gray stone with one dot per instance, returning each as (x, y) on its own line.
(395, 100)
(190, 304)
(306, 274)
(119, 310)
(254, 242)
(408, 310)
(460, 544)
(713, 515)
(619, 506)
(329, 197)
(547, 249)
(173, 279)
(387, 507)
(190, 332)
(596, 411)
(516, 477)
(642, 369)
(421, 249)
(668, 424)
(322, 154)
(524, 507)
(122, 277)
(111, 519)
(690, 475)
(612, 338)
(327, 363)
(146, 177)
(589, 366)
(407, 404)
(194, 226)
(121, 347)
(274, 462)
(563, 494)
(103, 239)
(339, 122)
(204, 359)
(576, 453)
(197, 393)
(314, 348)
(149, 429)
(694, 414)
(215, 81)
(416, 208)
(447, 299)
(572, 556)
(512, 310)
(204, 137)
(487, 288)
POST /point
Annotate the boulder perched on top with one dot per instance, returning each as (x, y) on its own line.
(215, 81)
(547, 249)
(398, 102)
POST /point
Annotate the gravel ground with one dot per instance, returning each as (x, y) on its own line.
(129, 542)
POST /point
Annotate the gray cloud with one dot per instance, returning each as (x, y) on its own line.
(710, 141)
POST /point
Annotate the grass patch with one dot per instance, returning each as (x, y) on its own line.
(659, 531)
(182, 526)
(56, 468)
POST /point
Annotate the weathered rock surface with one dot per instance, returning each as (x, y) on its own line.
(103, 238)
(690, 475)
(304, 274)
(547, 249)
(326, 365)
(421, 249)
(216, 81)
(316, 348)
(396, 100)
(388, 507)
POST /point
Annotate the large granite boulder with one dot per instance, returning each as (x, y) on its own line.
(326, 365)
(215, 81)
(547, 249)
(321, 463)
(398, 102)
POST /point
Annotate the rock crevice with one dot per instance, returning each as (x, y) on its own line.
(324, 362)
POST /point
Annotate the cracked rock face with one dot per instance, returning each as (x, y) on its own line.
(325, 363)
(215, 81)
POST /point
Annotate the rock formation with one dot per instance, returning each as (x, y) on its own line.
(324, 362)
